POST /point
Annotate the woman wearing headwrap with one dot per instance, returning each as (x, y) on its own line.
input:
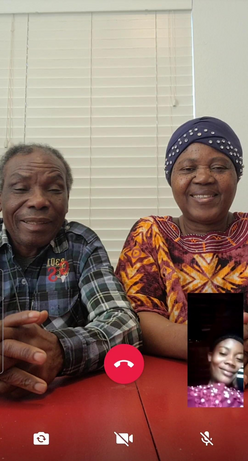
(226, 359)
(204, 250)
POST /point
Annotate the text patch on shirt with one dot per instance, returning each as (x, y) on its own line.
(57, 269)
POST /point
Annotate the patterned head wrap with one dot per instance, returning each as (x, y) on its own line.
(205, 130)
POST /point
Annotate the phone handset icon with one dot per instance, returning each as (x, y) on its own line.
(130, 364)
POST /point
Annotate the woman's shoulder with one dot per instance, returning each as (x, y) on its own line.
(239, 217)
(150, 224)
(215, 395)
(154, 218)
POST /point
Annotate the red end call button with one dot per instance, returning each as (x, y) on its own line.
(124, 364)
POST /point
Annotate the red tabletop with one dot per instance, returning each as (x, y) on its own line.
(176, 428)
(81, 418)
(82, 415)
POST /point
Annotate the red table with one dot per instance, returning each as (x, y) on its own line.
(82, 415)
(81, 418)
(176, 428)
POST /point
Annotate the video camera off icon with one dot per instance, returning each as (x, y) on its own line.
(123, 438)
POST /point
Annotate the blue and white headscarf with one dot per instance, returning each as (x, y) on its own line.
(205, 130)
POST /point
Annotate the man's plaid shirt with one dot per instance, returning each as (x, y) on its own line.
(73, 280)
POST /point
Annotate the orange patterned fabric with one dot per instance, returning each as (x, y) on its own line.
(158, 266)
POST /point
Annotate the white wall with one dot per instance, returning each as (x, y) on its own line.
(220, 30)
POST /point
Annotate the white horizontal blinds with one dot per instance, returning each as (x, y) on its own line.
(59, 96)
(124, 154)
(141, 91)
(174, 89)
(108, 89)
(13, 42)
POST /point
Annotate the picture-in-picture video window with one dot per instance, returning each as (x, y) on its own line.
(215, 350)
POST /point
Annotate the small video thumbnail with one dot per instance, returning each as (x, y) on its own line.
(215, 350)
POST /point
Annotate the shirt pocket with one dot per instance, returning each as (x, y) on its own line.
(58, 303)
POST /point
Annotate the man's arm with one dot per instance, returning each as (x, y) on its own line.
(105, 318)
(111, 321)
(162, 337)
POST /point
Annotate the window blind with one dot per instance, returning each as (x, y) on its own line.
(108, 90)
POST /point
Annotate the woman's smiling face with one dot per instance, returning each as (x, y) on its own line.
(204, 184)
(225, 361)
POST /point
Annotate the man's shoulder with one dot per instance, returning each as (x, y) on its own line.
(75, 235)
(80, 230)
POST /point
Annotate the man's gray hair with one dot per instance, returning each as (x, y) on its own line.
(29, 149)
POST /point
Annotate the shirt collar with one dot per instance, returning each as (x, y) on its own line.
(3, 235)
(60, 243)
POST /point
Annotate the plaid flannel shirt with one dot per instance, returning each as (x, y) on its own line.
(73, 280)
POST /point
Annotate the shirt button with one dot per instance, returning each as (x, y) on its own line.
(24, 282)
(67, 227)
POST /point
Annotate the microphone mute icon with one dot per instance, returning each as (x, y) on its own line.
(206, 439)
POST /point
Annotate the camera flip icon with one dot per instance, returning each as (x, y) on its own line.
(41, 438)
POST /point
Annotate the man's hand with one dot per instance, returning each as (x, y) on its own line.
(245, 348)
(33, 356)
(14, 351)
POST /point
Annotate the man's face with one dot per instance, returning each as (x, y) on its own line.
(34, 200)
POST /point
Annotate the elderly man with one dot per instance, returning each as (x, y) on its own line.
(63, 307)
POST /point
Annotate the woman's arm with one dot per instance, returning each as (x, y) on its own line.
(142, 268)
(162, 337)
